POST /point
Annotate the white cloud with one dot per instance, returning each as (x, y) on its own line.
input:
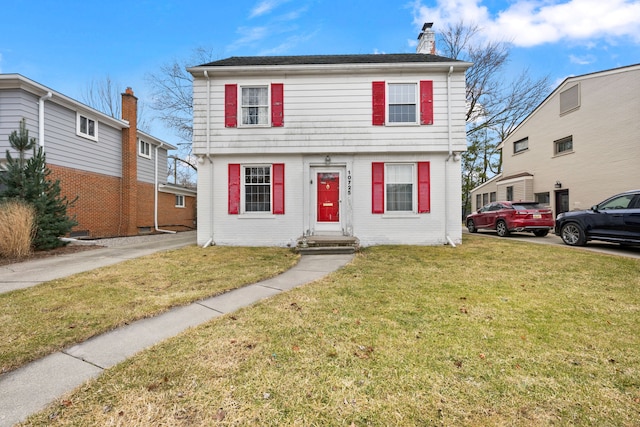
(582, 60)
(265, 6)
(529, 23)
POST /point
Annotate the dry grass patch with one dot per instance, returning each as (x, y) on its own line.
(17, 228)
(492, 333)
(40, 320)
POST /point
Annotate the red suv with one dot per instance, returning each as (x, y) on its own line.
(505, 217)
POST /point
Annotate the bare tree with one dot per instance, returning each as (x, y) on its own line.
(105, 95)
(495, 106)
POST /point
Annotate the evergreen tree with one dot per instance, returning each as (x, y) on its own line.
(28, 179)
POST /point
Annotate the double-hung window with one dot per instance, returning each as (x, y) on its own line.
(400, 187)
(179, 201)
(255, 105)
(86, 127)
(402, 103)
(256, 189)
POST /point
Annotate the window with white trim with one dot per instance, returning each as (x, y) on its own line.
(179, 201)
(257, 188)
(399, 187)
(144, 149)
(403, 103)
(255, 105)
(86, 127)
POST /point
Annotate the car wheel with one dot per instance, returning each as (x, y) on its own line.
(573, 235)
(501, 228)
(541, 233)
(471, 226)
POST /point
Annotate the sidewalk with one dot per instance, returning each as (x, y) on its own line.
(31, 388)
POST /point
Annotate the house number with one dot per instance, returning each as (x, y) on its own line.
(349, 183)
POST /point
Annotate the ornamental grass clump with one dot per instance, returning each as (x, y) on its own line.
(17, 226)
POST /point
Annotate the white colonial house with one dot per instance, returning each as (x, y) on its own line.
(351, 145)
(577, 148)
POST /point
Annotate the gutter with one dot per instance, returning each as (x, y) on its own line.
(449, 157)
(43, 98)
(155, 196)
(208, 133)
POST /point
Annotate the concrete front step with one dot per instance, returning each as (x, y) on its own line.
(309, 245)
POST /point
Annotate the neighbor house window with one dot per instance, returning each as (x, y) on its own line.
(492, 196)
(510, 193)
(485, 198)
(144, 149)
(402, 103)
(256, 189)
(179, 201)
(570, 99)
(521, 145)
(478, 201)
(543, 198)
(86, 127)
(563, 145)
(401, 187)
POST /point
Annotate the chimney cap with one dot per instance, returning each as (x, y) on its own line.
(427, 25)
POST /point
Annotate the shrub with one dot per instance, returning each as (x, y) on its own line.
(17, 228)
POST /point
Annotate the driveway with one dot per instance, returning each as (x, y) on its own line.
(552, 239)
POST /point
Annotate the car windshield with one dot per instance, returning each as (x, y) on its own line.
(527, 206)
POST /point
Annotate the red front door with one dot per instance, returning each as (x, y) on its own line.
(328, 196)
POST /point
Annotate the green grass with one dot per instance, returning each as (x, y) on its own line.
(40, 320)
(491, 333)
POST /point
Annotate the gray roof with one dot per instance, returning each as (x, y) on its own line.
(393, 58)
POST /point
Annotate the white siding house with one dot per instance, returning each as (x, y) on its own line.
(355, 145)
(578, 147)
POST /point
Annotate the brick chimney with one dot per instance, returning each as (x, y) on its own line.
(427, 40)
(129, 191)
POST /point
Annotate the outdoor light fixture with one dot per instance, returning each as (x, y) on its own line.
(327, 160)
(558, 184)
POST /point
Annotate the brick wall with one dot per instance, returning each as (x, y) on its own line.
(169, 216)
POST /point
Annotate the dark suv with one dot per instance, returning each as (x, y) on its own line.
(615, 220)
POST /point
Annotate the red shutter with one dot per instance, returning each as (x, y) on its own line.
(424, 188)
(378, 103)
(234, 188)
(377, 188)
(277, 104)
(278, 188)
(426, 102)
(231, 106)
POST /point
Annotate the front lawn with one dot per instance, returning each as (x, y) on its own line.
(491, 333)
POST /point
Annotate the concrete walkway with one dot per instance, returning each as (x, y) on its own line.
(31, 388)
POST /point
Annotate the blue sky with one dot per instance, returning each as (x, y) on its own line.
(66, 45)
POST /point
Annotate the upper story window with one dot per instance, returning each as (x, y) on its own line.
(402, 103)
(144, 149)
(255, 105)
(564, 145)
(261, 105)
(86, 127)
(570, 99)
(521, 145)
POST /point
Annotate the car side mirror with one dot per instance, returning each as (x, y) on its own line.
(594, 208)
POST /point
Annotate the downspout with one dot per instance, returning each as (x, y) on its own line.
(43, 98)
(208, 133)
(155, 196)
(449, 157)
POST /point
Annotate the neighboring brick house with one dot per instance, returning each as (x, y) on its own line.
(353, 145)
(578, 147)
(111, 167)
